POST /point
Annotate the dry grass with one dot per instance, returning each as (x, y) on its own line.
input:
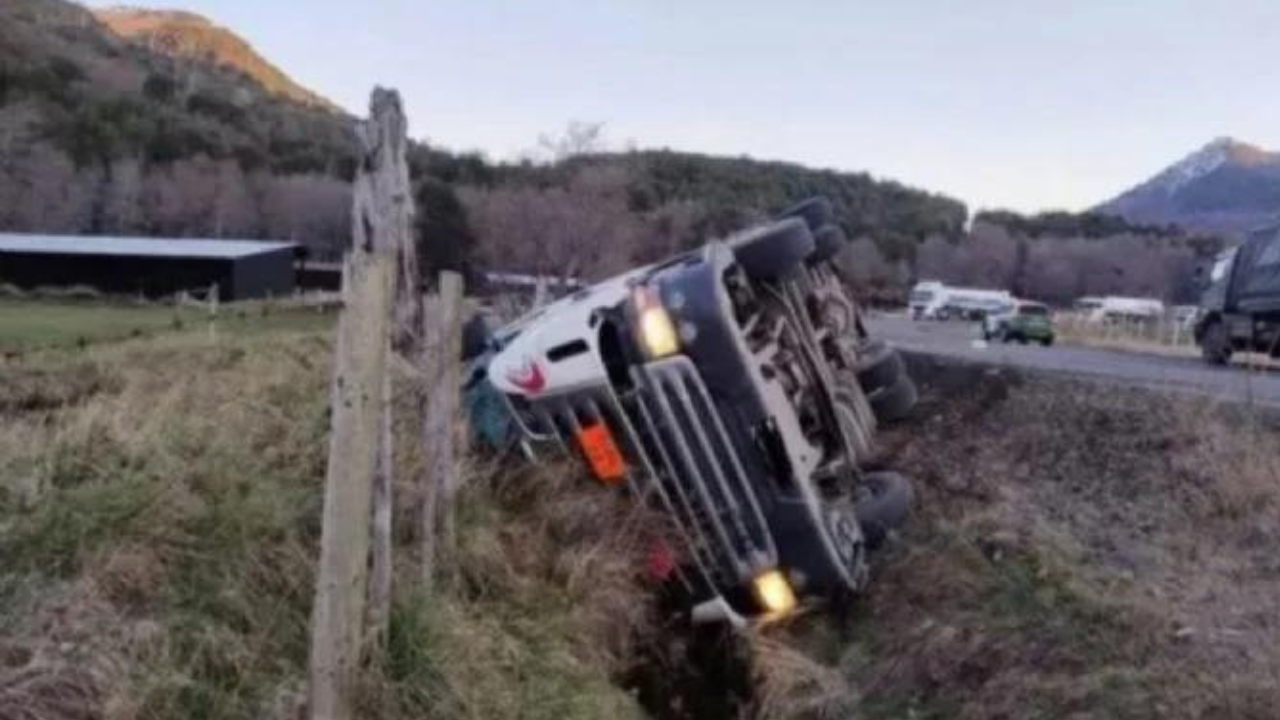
(1159, 332)
(159, 502)
(173, 492)
(792, 681)
(1080, 551)
(543, 611)
(1161, 339)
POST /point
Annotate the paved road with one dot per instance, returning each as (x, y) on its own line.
(962, 340)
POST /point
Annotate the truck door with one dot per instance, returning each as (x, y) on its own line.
(1255, 283)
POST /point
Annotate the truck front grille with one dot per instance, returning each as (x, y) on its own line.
(680, 458)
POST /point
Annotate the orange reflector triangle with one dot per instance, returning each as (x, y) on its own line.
(602, 453)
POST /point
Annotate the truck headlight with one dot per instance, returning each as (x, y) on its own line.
(774, 592)
(656, 329)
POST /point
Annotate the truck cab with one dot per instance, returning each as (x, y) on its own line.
(926, 299)
(1240, 310)
(732, 388)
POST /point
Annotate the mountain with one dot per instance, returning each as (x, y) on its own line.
(132, 122)
(70, 81)
(104, 135)
(193, 37)
(1227, 186)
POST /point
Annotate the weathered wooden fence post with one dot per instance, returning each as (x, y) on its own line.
(541, 292)
(381, 566)
(381, 207)
(395, 193)
(443, 346)
(337, 635)
(450, 373)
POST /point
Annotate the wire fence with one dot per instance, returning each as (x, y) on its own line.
(1169, 330)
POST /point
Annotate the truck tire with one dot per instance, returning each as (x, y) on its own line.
(883, 504)
(895, 402)
(828, 241)
(773, 251)
(816, 212)
(860, 431)
(848, 547)
(1214, 345)
(879, 366)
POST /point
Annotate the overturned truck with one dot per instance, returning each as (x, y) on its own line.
(734, 387)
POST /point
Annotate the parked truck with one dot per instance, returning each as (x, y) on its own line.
(1118, 309)
(734, 388)
(1240, 310)
(930, 300)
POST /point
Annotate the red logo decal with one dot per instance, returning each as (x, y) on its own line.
(528, 378)
(660, 563)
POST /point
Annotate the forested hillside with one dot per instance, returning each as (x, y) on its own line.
(169, 135)
(597, 211)
(192, 37)
(1091, 225)
(1061, 268)
(98, 135)
(184, 130)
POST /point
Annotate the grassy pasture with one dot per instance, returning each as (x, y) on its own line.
(30, 324)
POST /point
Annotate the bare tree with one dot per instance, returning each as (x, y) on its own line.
(863, 266)
(41, 190)
(123, 211)
(671, 229)
(936, 260)
(585, 229)
(578, 138)
(311, 209)
(234, 213)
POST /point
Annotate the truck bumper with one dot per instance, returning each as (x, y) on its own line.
(681, 460)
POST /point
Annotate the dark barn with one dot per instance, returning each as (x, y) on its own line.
(152, 267)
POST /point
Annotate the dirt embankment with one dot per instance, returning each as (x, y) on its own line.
(1079, 551)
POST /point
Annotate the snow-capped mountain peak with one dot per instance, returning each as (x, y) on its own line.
(1225, 186)
(1194, 166)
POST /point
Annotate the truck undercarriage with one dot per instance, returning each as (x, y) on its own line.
(735, 389)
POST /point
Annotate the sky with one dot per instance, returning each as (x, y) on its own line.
(1021, 104)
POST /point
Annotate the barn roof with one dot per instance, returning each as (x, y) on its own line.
(137, 247)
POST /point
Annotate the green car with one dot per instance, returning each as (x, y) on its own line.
(1021, 321)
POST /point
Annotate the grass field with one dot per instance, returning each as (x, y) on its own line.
(1076, 551)
(29, 324)
(159, 516)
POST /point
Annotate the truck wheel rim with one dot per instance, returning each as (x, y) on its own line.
(846, 537)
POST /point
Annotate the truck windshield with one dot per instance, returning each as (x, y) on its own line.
(921, 297)
(1033, 310)
(1223, 265)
